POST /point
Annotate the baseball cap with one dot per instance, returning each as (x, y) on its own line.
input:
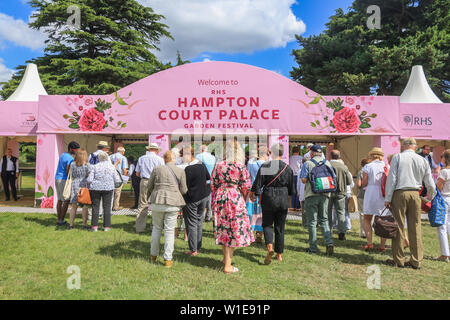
(316, 148)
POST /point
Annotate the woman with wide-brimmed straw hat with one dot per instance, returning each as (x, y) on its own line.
(373, 197)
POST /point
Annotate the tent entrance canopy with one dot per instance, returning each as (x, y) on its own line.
(223, 97)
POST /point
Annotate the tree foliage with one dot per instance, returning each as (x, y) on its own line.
(111, 49)
(349, 58)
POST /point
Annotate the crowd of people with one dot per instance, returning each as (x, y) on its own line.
(248, 200)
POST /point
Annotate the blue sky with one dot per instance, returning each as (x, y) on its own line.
(256, 39)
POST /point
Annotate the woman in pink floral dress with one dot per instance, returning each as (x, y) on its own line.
(230, 185)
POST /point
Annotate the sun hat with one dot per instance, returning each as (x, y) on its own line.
(316, 148)
(103, 144)
(153, 146)
(376, 152)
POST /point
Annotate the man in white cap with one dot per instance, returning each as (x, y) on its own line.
(121, 164)
(144, 169)
(101, 146)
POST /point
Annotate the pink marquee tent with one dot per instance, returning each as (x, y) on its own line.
(214, 99)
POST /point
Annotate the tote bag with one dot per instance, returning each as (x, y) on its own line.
(436, 215)
(68, 186)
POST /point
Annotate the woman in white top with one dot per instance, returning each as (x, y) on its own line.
(373, 198)
(443, 184)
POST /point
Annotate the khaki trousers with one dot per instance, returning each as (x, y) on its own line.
(117, 193)
(407, 203)
(141, 219)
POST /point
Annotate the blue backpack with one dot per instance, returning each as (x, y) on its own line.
(322, 178)
(436, 216)
(94, 159)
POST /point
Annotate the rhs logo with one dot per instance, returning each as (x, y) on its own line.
(410, 120)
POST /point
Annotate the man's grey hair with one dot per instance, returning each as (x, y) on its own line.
(277, 150)
(409, 142)
(103, 156)
(204, 148)
(121, 149)
(317, 154)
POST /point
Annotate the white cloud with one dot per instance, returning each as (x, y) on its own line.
(18, 32)
(231, 26)
(5, 73)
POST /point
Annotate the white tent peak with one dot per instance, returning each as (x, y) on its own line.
(30, 87)
(418, 90)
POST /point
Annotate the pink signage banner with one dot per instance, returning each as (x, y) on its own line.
(18, 118)
(428, 121)
(218, 97)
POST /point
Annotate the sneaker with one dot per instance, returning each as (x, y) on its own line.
(93, 230)
(330, 249)
(342, 236)
(85, 227)
(310, 251)
(71, 227)
(107, 229)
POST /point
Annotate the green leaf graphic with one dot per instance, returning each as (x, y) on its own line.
(50, 192)
(315, 101)
(38, 195)
(122, 102)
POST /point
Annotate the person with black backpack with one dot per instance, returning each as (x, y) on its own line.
(320, 180)
(275, 183)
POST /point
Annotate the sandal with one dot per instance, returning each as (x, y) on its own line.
(367, 247)
(268, 258)
(380, 249)
(234, 270)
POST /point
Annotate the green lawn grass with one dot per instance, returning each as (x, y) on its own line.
(35, 255)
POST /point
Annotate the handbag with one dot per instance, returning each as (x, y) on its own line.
(385, 226)
(68, 186)
(118, 184)
(84, 196)
(436, 216)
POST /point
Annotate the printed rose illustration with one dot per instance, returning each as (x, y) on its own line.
(91, 120)
(47, 203)
(95, 118)
(346, 120)
(44, 200)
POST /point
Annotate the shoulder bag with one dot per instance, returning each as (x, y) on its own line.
(68, 186)
(84, 196)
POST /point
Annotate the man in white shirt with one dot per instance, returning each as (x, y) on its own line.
(121, 164)
(407, 173)
(295, 162)
(9, 171)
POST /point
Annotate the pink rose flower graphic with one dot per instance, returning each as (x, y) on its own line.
(349, 100)
(91, 120)
(346, 120)
(47, 203)
(88, 102)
